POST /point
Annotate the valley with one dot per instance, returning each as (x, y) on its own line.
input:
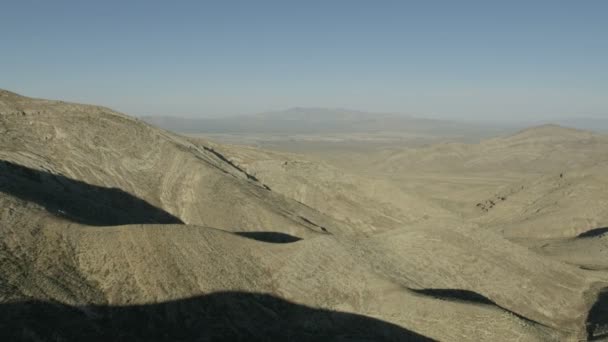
(110, 226)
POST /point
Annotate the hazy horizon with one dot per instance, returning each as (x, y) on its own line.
(279, 170)
(472, 60)
(496, 119)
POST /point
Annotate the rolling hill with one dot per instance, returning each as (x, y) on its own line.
(111, 228)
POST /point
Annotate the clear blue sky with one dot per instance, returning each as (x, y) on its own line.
(451, 59)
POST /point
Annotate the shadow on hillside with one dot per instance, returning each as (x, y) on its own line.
(597, 320)
(272, 237)
(456, 295)
(594, 232)
(467, 296)
(222, 316)
(78, 201)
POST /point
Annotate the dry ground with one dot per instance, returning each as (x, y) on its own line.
(113, 229)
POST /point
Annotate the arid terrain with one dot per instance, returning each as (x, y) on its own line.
(114, 229)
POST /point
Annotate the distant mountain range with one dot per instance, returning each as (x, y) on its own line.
(314, 120)
(325, 121)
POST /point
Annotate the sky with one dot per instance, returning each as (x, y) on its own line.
(490, 60)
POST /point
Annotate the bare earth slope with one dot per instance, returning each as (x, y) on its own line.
(113, 229)
(370, 205)
(536, 149)
(102, 148)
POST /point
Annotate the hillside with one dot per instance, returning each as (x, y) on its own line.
(113, 229)
(368, 204)
(75, 144)
(536, 149)
(458, 176)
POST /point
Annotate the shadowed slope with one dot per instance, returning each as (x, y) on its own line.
(78, 201)
(597, 321)
(594, 232)
(227, 316)
(455, 294)
(467, 297)
(272, 237)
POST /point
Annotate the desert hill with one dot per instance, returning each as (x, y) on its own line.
(558, 205)
(532, 150)
(113, 229)
(457, 176)
(65, 142)
(362, 202)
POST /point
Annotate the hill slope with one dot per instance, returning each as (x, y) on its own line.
(533, 150)
(105, 218)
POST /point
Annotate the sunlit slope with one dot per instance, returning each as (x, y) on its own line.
(103, 148)
(145, 264)
(369, 204)
(535, 150)
(556, 205)
(103, 216)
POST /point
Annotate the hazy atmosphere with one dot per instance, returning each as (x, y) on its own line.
(304, 171)
(491, 60)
